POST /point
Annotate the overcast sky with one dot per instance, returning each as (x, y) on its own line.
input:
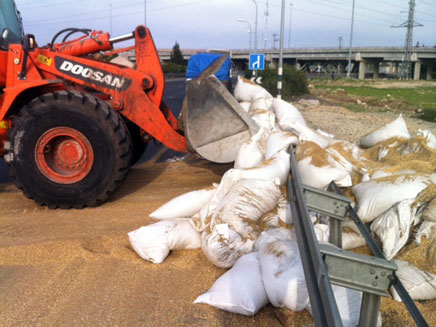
(206, 24)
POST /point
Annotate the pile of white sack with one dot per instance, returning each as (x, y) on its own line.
(244, 222)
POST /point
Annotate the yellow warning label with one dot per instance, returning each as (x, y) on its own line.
(44, 60)
(4, 124)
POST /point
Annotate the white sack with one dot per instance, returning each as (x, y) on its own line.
(378, 195)
(250, 153)
(284, 210)
(246, 90)
(352, 240)
(277, 166)
(277, 141)
(282, 274)
(245, 203)
(240, 289)
(263, 118)
(260, 103)
(430, 211)
(322, 232)
(202, 220)
(346, 154)
(396, 128)
(286, 114)
(393, 226)
(245, 105)
(429, 137)
(321, 177)
(274, 234)
(349, 302)
(269, 220)
(185, 205)
(154, 242)
(318, 167)
(307, 134)
(321, 132)
(426, 229)
(222, 246)
(419, 284)
(248, 199)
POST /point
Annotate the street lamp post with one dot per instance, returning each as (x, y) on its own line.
(255, 27)
(249, 31)
(282, 36)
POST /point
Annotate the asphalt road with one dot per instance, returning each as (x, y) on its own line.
(173, 97)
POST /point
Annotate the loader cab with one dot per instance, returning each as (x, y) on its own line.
(11, 25)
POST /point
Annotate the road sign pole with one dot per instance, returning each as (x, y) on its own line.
(256, 62)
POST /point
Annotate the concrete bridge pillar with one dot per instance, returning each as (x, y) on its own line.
(362, 69)
(395, 68)
(376, 67)
(390, 69)
(429, 72)
(340, 68)
(417, 71)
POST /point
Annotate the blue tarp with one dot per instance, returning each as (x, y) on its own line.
(201, 61)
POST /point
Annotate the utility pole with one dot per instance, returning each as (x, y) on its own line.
(255, 27)
(282, 37)
(290, 20)
(410, 24)
(110, 17)
(265, 33)
(145, 12)
(340, 41)
(351, 41)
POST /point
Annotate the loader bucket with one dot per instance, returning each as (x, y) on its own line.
(215, 124)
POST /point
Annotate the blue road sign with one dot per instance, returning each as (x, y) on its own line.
(257, 61)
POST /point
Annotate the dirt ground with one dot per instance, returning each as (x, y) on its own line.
(76, 267)
(351, 126)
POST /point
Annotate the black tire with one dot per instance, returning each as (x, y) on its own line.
(138, 145)
(88, 116)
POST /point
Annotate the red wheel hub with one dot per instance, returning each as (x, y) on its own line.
(64, 155)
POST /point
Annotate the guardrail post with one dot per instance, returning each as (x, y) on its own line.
(370, 275)
(375, 249)
(369, 310)
(330, 204)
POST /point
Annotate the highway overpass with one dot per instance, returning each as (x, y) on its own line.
(366, 62)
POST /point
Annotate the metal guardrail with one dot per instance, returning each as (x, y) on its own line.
(377, 252)
(323, 264)
(174, 75)
(324, 308)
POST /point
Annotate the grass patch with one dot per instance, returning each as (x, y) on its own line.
(415, 98)
(428, 115)
(354, 107)
(419, 100)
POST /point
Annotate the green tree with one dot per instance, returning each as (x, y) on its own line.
(176, 55)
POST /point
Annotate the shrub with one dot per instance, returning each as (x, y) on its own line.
(171, 67)
(294, 82)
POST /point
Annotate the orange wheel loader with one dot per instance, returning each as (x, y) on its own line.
(72, 123)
